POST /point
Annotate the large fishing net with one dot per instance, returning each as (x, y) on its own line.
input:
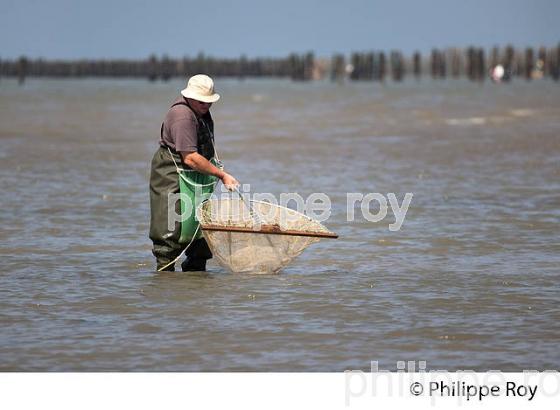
(256, 236)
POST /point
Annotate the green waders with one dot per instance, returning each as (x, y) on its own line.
(168, 243)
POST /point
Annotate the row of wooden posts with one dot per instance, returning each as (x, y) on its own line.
(474, 63)
(471, 62)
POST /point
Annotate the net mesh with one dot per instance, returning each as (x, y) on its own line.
(254, 251)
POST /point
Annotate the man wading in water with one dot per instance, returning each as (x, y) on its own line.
(187, 141)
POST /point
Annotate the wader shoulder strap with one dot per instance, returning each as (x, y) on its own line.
(173, 105)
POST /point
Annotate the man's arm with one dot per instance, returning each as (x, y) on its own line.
(197, 162)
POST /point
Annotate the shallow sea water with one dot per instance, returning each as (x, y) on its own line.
(469, 282)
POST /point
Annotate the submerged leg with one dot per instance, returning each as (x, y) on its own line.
(163, 181)
(197, 255)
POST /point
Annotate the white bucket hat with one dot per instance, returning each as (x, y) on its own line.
(200, 87)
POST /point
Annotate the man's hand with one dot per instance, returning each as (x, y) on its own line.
(229, 181)
(197, 162)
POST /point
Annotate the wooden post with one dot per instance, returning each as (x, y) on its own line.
(542, 61)
(433, 63)
(242, 68)
(201, 63)
(337, 68)
(417, 65)
(293, 63)
(308, 63)
(457, 64)
(368, 66)
(152, 68)
(442, 64)
(301, 67)
(166, 68)
(396, 66)
(481, 65)
(355, 61)
(529, 63)
(22, 67)
(376, 75)
(508, 63)
(555, 66)
(382, 68)
(519, 64)
(438, 68)
(469, 58)
(494, 58)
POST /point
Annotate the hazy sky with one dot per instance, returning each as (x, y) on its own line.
(228, 28)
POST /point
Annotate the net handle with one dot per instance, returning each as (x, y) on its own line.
(269, 229)
(252, 212)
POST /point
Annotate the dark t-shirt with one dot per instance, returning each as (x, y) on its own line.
(180, 128)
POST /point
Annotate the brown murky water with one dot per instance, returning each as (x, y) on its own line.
(471, 281)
